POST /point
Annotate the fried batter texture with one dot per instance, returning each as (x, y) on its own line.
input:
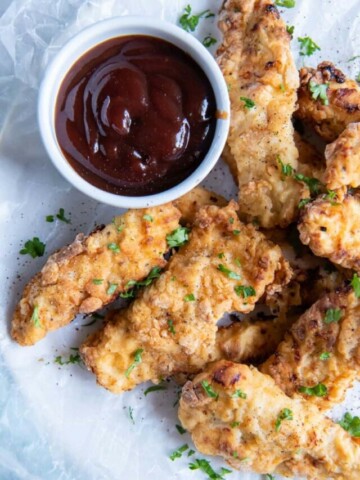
(92, 271)
(257, 63)
(343, 106)
(237, 412)
(331, 228)
(171, 327)
(192, 201)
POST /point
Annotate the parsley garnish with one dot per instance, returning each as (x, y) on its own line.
(49, 218)
(332, 315)
(325, 356)
(355, 283)
(208, 389)
(285, 3)
(61, 216)
(221, 255)
(112, 288)
(97, 281)
(307, 46)
(239, 394)
(148, 218)
(180, 429)
(319, 90)
(234, 424)
(303, 202)
(190, 297)
(269, 476)
(319, 390)
(313, 183)
(228, 273)
(137, 359)
(114, 247)
(290, 29)
(190, 452)
(189, 22)
(286, 169)
(154, 388)
(351, 424)
(73, 358)
(204, 466)
(154, 273)
(129, 294)
(236, 232)
(248, 103)
(178, 452)
(285, 414)
(231, 220)
(244, 291)
(208, 41)
(35, 317)
(171, 326)
(34, 248)
(178, 237)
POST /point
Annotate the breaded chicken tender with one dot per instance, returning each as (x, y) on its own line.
(331, 228)
(328, 116)
(311, 162)
(321, 348)
(192, 201)
(343, 159)
(259, 69)
(93, 270)
(235, 411)
(171, 327)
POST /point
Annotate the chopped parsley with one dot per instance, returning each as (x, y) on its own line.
(237, 262)
(190, 452)
(190, 297)
(313, 183)
(148, 218)
(189, 22)
(355, 283)
(234, 424)
(35, 317)
(228, 273)
(73, 358)
(154, 388)
(319, 90)
(178, 452)
(239, 394)
(244, 291)
(319, 390)
(307, 46)
(171, 326)
(154, 273)
(332, 315)
(285, 414)
(61, 216)
(209, 390)
(236, 232)
(97, 281)
(303, 202)
(113, 247)
(248, 103)
(180, 429)
(129, 294)
(208, 41)
(268, 476)
(286, 169)
(205, 467)
(178, 237)
(285, 3)
(49, 218)
(351, 424)
(290, 29)
(221, 255)
(112, 288)
(137, 359)
(231, 220)
(34, 248)
(325, 356)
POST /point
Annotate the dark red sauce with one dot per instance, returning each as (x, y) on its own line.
(135, 115)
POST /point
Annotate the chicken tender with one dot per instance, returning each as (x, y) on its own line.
(171, 327)
(237, 412)
(330, 115)
(310, 163)
(191, 202)
(331, 228)
(93, 270)
(343, 159)
(259, 69)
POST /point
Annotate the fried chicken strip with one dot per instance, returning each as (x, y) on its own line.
(171, 327)
(237, 412)
(192, 201)
(93, 270)
(257, 63)
(331, 228)
(328, 118)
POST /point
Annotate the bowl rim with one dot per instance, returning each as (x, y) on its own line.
(97, 33)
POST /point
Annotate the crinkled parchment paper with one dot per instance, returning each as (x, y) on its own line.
(55, 423)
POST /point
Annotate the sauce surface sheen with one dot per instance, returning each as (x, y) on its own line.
(135, 115)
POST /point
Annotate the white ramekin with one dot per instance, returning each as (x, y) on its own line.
(98, 33)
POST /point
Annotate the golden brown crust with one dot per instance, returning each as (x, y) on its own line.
(329, 121)
(65, 286)
(243, 430)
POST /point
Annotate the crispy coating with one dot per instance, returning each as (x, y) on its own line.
(343, 159)
(246, 431)
(331, 228)
(297, 363)
(329, 121)
(257, 64)
(65, 286)
(192, 201)
(173, 322)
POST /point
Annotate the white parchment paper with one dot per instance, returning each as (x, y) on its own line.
(55, 423)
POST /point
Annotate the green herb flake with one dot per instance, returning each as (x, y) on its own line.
(355, 283)
(303, 202)
(148, 218)
(208, 41)
(236, 232)
(189, 22)
(49, 218)
(351, 424)
(180, 429)
(190, 452)
(237, 262)
(112, 288)
(313, 183)
(190, 297)
(248, 103)
(285, 414)
(285, 3)
(154, 388)
(268, 476)
(171, 326)
(128, 294)
(137, 359)
(178, 452)
(231, 220)
(35, 317)
(244, 291)
(332, 315)
(34, 248)
(325, 356)
(290, 30)
(228, 273)
(286, 169)
(307, 46)
(114, 247)
(73, 359)
(61, 216)
(154, 273)
(205, 467)
(234, 424)
(178, 237)
(209, 390)
(221, 255)
(239, 394)
(97, 281)
(319, 91)
(319, 390)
